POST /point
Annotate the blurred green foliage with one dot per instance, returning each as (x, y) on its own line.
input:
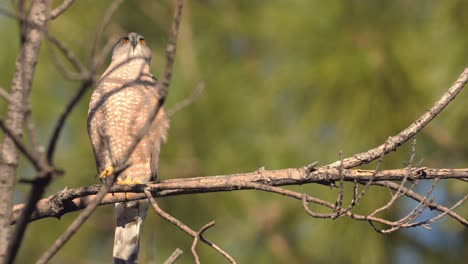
(287, 83)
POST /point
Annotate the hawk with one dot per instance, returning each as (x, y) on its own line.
(121, 104)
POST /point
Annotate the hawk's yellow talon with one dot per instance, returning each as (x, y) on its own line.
(106, 172)
(128, 181)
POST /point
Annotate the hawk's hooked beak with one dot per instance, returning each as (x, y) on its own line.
(134, 41)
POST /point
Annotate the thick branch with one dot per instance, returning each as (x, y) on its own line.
(25, 66)
(70, 200)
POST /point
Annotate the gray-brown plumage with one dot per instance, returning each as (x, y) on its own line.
(121, 104)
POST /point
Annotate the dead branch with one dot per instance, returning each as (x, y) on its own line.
(392, 143)
(70, 200)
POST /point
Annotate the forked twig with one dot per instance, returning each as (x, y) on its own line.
(199, 237)
(186, 229)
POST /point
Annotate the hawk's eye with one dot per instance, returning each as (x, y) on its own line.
(141, 41)
(125, 41)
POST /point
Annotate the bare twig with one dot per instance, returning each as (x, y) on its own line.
(60, 66)
(19, 145)
(60, 9)
(395, 141)
(171, 50)
(357, 197)
(67, 53)
(176, 254)
(431, 204)
(32, 134)
(398, 193)
(5, 95)
(339, 199)
(450, 210)
(106, 18)
(305, 205)
(63, 117)
(102, 55)
(197, 91)
(415, 212)
(186, 229)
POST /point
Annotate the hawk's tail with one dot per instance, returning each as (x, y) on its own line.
(129, 217)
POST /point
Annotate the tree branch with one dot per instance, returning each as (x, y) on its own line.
(71, 200)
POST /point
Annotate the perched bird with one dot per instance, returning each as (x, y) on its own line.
(123, 101)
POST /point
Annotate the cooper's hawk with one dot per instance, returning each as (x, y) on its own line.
(123, 101)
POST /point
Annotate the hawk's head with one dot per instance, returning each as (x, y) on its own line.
(132, 46)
